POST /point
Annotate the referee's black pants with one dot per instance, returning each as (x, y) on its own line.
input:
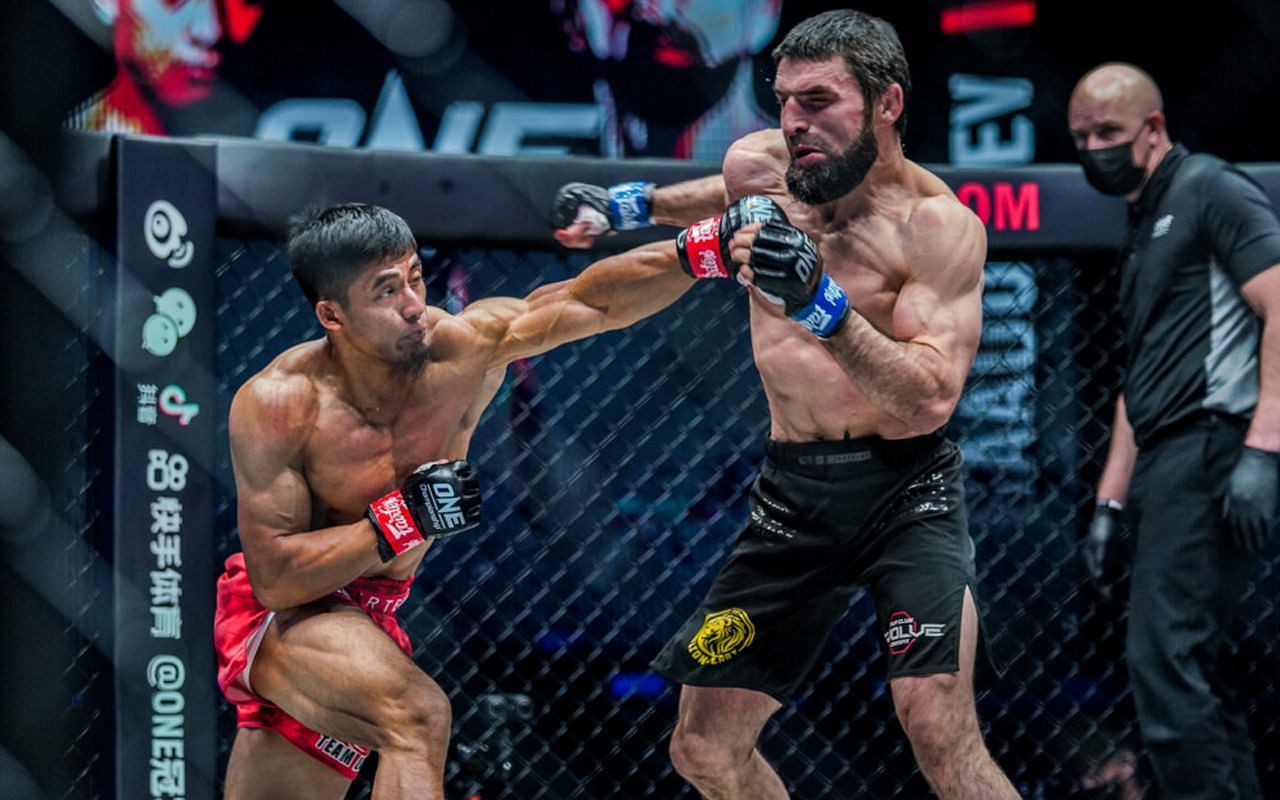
(1188, 579)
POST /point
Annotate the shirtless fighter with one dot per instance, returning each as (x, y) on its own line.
(865, 278)
(335, 511)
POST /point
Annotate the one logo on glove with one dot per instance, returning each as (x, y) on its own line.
(904, 631)
(722, 636)
(444, 506)
(393, 517)
(805, 263)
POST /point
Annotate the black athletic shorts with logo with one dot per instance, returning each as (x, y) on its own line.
(826, 519)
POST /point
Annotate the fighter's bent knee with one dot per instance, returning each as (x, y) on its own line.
(939, 720)
(697, 757)
(923, 695)
(413, 713)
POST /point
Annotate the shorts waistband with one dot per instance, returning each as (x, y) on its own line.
(388, 588)
(851, 456)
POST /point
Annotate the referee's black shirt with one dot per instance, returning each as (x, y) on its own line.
(1200, 230)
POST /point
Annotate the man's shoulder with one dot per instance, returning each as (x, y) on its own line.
(756, 164)
(939, 230)
(475, 330)
(283, 397)
(933, 209)
(1208, 172)
(767, 142)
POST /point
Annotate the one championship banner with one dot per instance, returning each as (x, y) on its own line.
(163, 439)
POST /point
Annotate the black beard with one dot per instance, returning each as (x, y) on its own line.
(413, 364)
(837, 175)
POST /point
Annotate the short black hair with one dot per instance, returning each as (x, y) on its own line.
(329, 247)
(869, 46)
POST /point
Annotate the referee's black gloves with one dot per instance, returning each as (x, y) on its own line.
(1098, 550)
(1252, 492)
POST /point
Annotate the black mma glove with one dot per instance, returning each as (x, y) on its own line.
(621, 207)
(1098, 548)
(703, 247)
(788, 271)
(1250, 504)
(439, 499)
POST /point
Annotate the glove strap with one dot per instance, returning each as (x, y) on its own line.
(826, 312)
(699, 249)
(394, 524)
(1114, 505)
(629, 205)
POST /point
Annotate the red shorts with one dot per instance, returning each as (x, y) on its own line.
(238, 626)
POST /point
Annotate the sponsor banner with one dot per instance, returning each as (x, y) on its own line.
(163, 440)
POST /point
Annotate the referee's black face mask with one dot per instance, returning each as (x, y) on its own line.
(1111, 170)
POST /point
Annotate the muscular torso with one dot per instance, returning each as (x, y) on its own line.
(810, 396)
(354, 455)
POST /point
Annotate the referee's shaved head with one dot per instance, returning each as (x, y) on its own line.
(1121, 86)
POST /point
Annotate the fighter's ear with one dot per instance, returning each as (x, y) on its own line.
(330, 315)
(106, 10)
(889, 105)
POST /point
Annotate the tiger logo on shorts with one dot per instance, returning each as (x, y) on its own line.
(722, 636)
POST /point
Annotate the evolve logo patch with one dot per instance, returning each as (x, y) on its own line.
(903, 631)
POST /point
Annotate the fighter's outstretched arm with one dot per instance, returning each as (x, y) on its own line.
(581, 212)
(610, 294)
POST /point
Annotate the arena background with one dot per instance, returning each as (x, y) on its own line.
(615, 468)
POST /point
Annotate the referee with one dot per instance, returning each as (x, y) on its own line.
(1197, 428)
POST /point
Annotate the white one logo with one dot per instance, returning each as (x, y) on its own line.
(174, 318)
(165, 230)
(448, 504)
(1162, 226)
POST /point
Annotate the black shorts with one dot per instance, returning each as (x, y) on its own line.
(826, 519)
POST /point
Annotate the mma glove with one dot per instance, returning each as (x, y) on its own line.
(1098, 549)
(703, 247)
(788, 271)
(620, 207)
(438, 499)
(1249, 507)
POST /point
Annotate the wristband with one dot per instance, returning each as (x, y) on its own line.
(394, 524)
(826, 312)
(699, 249)
(629, 205)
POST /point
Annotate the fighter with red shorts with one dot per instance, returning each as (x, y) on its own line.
(336, 507)
(242, 620)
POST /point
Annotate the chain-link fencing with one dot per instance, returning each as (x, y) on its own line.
(615, 473)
